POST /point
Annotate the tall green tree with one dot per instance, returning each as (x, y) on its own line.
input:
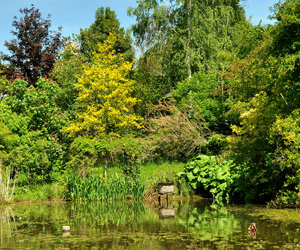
(105, 22)
(33, 50)
(66, 72)
(266, 86)
(195, 30)
(183, 38)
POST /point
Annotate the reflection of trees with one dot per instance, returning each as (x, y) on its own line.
(6, 216)
(136, 225)
(209, 223)
(100, 213)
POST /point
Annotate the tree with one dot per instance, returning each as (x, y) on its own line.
(33, 51)
(265, 85)
(104, 100)
(179, 39)
(66, 72)
(31, 136)
(190, 33)
(105, 23)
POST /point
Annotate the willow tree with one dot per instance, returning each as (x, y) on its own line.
(190, 33)
(105, 104)
(181, 37)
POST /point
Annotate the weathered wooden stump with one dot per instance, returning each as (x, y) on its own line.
(165, 188)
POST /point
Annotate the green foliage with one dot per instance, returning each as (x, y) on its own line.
(289, 193)
(203, 92)
(103, 189)
(251, 149)
(246, 37)
(285, 134)
(210, 174)
(42, 192)
(185, 36)
(66, 71)
(264, 144)
(31, 122)
(284, 33)
(125, 152)
(105, 23)
(150, 79)
(250, 139)
(83, 155)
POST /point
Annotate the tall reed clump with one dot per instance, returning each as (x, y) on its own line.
(6, 187)
(103, 189)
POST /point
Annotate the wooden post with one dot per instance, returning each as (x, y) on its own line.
(165, 188)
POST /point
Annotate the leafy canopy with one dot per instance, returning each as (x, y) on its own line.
(104, 100)
(105, 22)
(33, 50)
(31, 140)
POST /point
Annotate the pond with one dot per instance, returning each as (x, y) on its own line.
(177, 225)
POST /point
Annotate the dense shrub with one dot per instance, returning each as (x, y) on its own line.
(31, 141)
(173, 134)
(127, 152)
(208, 174)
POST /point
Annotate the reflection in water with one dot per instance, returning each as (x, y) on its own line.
(6, 225)
(66, 233)
(136, 225)
(165, 213)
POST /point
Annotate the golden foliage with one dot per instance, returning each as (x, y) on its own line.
(104, 99)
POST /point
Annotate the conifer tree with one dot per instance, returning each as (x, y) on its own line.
(105, 22)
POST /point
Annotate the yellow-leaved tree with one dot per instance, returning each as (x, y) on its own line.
(104, 99)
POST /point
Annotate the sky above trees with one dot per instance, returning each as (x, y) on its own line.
(76, 14)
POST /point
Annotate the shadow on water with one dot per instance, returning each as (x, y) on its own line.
(136, 225)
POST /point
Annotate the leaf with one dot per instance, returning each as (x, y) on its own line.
(190, 176)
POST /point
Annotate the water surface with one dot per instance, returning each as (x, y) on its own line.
(137, 225)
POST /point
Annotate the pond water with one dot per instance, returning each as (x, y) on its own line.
(136, 225)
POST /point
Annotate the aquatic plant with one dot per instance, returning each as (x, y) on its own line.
(103, 189)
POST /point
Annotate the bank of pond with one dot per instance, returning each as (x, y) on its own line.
(176, 224)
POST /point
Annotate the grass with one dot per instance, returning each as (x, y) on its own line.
(154, 173)
(150, 175)
(40, 192)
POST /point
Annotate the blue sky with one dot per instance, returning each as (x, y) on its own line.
(75, 14)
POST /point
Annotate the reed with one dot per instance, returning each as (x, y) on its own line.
(99, 188)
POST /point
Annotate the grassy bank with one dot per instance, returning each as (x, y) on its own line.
(150, 175)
